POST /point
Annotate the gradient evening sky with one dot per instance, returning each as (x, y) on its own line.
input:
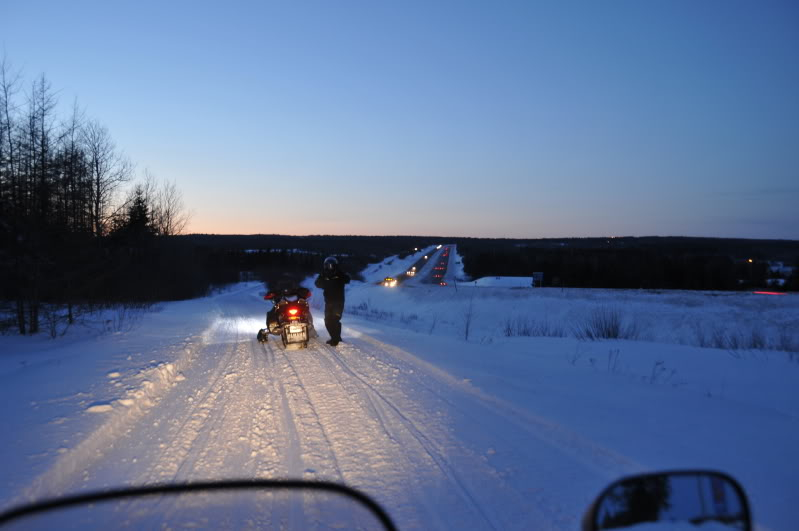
(460, 118)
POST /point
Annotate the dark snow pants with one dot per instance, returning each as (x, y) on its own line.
(333, 312)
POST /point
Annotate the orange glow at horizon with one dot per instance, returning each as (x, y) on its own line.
(293, 227)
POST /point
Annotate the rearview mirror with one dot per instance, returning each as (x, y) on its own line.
(670, 500)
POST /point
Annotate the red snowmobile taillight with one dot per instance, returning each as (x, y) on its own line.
(294, 313)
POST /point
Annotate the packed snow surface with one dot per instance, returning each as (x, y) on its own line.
(454, 407)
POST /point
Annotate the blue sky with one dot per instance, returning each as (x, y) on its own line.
(517, 119)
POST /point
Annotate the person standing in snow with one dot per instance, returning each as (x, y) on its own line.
(332, 281)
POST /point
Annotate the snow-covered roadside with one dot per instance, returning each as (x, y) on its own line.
(455, 269)
(64, 389)
(660, 406)
(732, 321)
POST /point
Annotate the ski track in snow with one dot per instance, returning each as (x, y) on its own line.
(367, 414)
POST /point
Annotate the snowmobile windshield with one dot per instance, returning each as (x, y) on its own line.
(245, 504)
(292, 294)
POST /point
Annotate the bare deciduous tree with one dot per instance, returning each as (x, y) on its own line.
(167, 211)
(9, 85)
(170, 215)
(108, 169)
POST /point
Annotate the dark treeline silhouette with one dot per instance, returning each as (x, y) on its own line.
(66, 236)
(262, 253)
(650, 263)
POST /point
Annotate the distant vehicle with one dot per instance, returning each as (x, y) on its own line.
(390, 282)
(442, 283)
(411, 272)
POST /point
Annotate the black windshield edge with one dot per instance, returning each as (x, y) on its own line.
(172, 488)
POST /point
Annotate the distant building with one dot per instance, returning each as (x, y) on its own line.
(505, 282)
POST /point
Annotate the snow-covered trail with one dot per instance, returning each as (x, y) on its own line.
(433, 450)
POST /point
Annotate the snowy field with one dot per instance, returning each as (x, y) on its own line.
(454, 407)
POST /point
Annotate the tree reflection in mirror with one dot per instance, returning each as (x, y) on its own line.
(675, 500)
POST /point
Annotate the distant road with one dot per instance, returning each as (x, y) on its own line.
(419, 265)
(430, 269)
(440, 263)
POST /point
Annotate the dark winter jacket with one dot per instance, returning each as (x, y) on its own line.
(333, 285)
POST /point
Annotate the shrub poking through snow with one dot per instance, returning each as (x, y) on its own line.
(433, 323)
(613, 360)
(746, 339)
(526, 327)
(468, 316)
(660, 373)
(366, 311)
(605, 323)
(787, 342)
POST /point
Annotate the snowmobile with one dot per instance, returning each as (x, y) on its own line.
(685, 499)
(290, 318)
